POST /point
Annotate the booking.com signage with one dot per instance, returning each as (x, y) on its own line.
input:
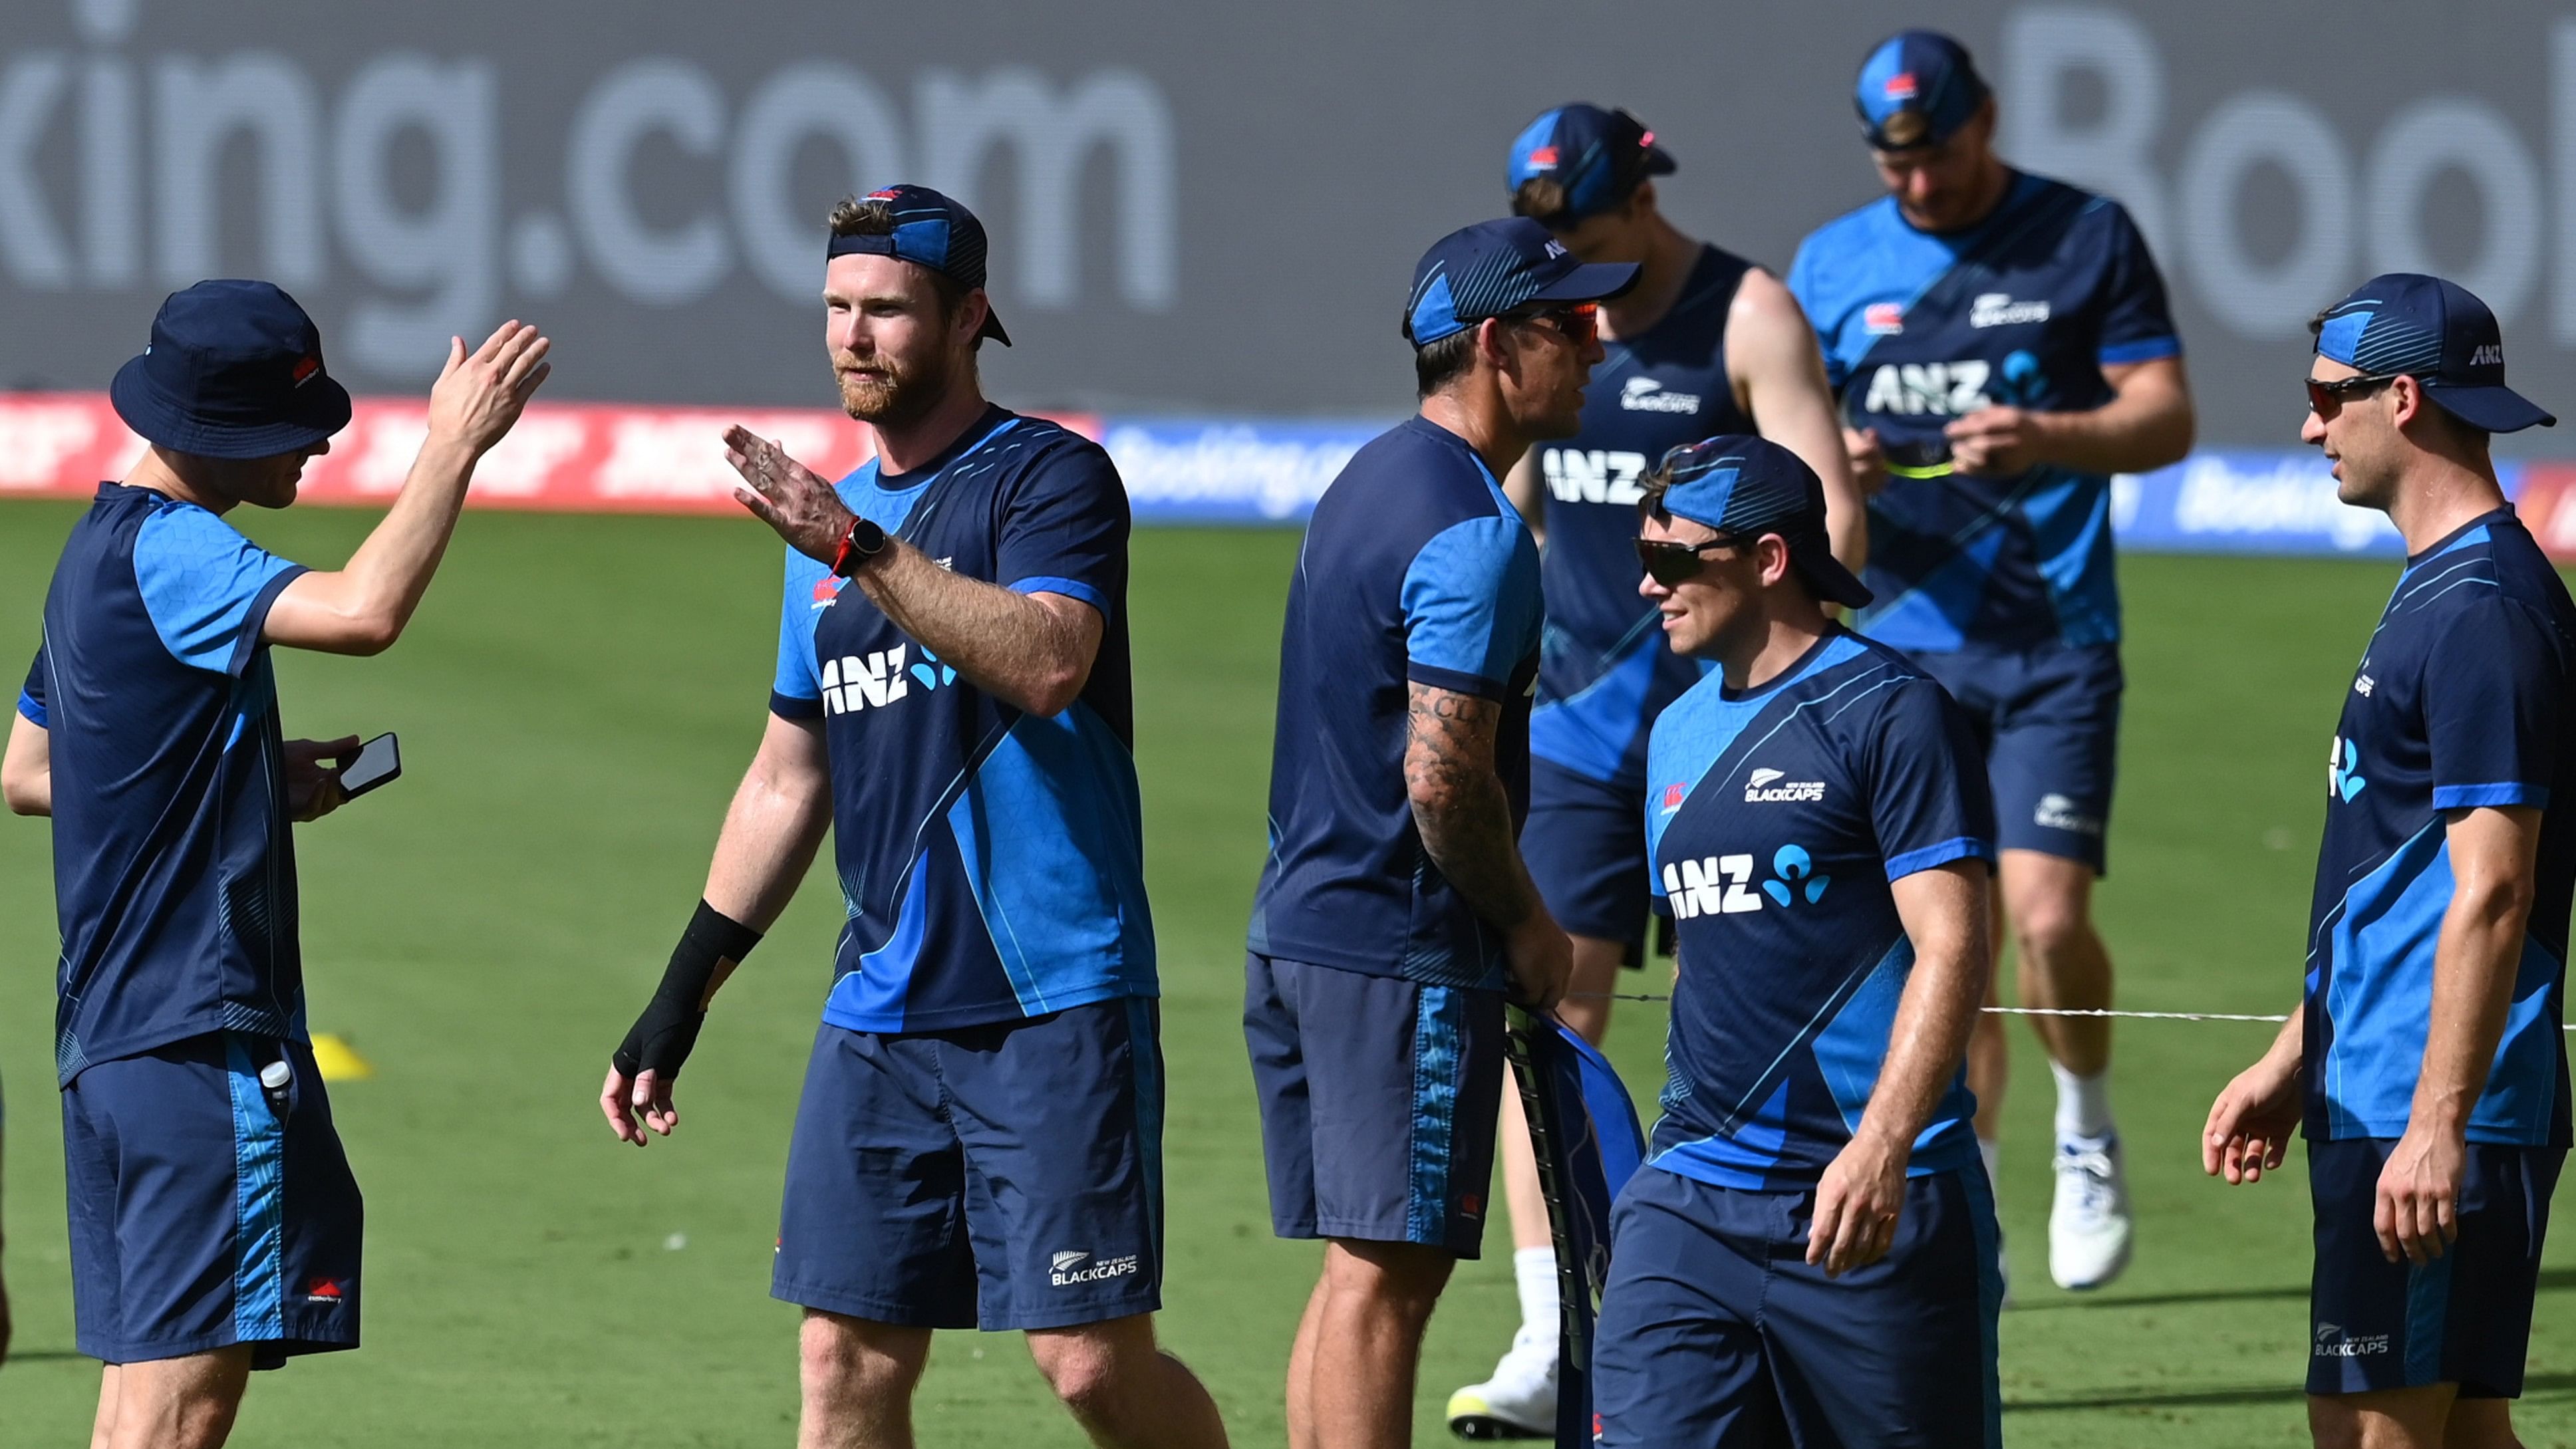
(1207, 212)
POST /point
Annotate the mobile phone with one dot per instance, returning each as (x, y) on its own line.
(378, 762)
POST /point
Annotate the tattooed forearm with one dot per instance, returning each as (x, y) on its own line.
(1458, 801)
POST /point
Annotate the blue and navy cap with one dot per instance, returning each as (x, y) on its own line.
(1915, 89)
(1745, 487)
(933, 231)
(2437, 333)
(1597, 156)
(234, 370)
(1490, 268)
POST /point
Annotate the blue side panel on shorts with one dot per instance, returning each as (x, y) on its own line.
(1436, 1042)
(2428, 1311)
(259, 1158)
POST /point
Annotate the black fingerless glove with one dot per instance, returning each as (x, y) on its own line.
(663, 1036)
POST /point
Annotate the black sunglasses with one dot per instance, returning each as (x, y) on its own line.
(1580, 321)
(1675, 564)
(2325, 399)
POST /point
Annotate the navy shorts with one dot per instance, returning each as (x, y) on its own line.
(202, 1218)
(2050, 724)
(1585, 844)
(1378, 1102)
(1000, 1176)
(2465, 1317)
(1715, 1334)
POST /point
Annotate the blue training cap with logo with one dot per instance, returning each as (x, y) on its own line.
(1595, 156)
(1490, 268)
(1746, 486)
(2436, 332)
(1916, 89)
(234, 370)
(933, 231)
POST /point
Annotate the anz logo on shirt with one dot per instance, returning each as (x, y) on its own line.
(852, 683)
(1594, 475)
(2343, 769)
(1716, 884)
(1953, 389)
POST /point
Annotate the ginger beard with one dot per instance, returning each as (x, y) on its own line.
(882, 390)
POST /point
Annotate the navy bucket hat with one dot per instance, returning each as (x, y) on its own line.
(234, 370)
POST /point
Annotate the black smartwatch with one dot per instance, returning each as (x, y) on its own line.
(864, 541)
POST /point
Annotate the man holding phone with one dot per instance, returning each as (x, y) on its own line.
(214, 1223)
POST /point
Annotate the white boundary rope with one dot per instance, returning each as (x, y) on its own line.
(1998, 1010)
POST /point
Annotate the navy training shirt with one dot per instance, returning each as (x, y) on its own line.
(2024, 309)
(1415, 569)
(1777, 821)
(991, 860)
(1604, 671)
(174, 866)
(2463, 699)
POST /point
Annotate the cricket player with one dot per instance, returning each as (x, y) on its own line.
(2425, 1065)
(1395, 911)
(1705, 343)
(2002, 347)
(980, 1140)
(215, 1227)
(1809, 1254)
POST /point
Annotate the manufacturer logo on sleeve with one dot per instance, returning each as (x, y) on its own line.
(1673, 794)
(1883, 319)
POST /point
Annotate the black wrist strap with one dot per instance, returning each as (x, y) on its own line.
(662, 1037)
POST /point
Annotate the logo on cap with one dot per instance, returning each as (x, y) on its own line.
(1900, 86)
(2489, 354)
(1542, 159)
(307, 368)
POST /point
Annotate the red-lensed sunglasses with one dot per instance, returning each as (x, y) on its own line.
(1579, 321)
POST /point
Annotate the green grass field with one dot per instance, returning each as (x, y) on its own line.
(577, 700)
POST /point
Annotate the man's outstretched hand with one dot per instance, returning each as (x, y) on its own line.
(787, 495)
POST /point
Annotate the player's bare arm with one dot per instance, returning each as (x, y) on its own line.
(1033, 650)
(2494, 855)
(771, 831)
(27, 769)
(1466, 825)
(2253, 1120)
(1779, 380)
(2147, 424)
(363, 608)
(1946, 915)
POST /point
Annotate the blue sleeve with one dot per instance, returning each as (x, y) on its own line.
(1471, 607)
(31, 697)
(2493, 692)
(1801, 283)
(1064, 530)
(795, 693)
(2137, 325)
(1928, 797)
(207, 589)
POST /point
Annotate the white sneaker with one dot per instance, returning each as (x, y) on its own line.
(1519, 1401)
(2089, 1230)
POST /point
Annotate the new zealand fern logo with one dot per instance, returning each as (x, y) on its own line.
(1797, 876)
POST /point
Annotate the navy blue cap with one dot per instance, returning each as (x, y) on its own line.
(933, 231)
(2438, 333)
(234, 370)
(1490, 268)
(1746, 486)
(1597, 156)
(1917, 88)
